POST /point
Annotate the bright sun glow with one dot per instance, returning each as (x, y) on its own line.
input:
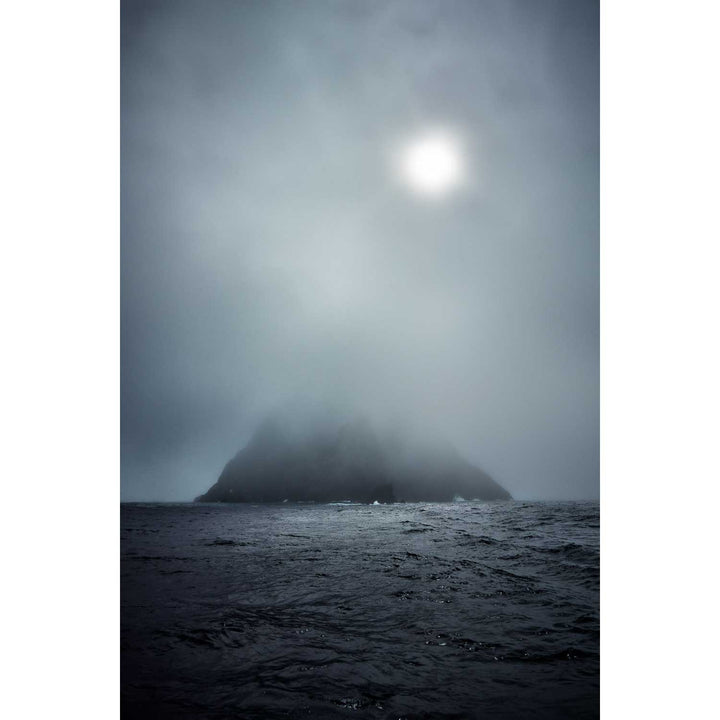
(432, 164)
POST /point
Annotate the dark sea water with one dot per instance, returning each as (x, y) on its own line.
(465, 610)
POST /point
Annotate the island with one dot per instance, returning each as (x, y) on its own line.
(351, 463)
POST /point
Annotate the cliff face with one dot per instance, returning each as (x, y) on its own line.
(352, 463)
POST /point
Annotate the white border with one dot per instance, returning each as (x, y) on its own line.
(59, 294)
(659, 357)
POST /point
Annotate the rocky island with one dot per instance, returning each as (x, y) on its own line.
(351, 462)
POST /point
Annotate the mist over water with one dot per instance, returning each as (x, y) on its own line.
(359, 260)
(271, 250)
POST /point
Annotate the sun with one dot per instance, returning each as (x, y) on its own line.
(431, 164)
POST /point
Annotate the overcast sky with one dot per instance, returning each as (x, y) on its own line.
(270, 248)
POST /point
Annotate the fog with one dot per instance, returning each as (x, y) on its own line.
(271, 251)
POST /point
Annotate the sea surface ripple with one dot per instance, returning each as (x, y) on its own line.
(464, 610)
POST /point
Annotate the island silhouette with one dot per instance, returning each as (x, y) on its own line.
(352, 462)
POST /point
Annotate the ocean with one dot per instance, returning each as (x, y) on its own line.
(461, 610)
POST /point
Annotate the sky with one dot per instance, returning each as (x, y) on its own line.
(273, 247)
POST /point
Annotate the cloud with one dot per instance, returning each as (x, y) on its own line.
(268, 248)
